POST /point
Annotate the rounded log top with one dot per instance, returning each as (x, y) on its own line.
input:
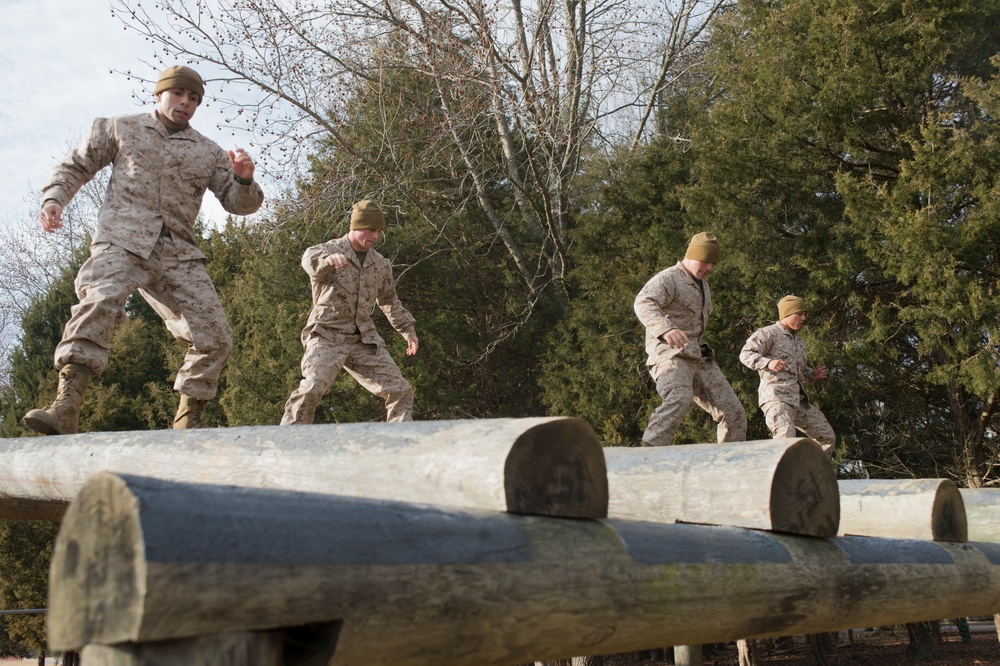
(551, 466)
(904, 508)
(784, 485)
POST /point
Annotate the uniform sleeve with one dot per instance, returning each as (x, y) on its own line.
(235, 197)
(753, 353)
(651, 304)
(389, 302)
(314, 262)
(98, 149)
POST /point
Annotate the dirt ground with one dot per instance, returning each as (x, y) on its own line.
(883, 647)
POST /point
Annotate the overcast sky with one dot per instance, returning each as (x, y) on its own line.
(56, 58)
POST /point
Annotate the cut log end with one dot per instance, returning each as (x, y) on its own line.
(97, 574)
(948, 517)
(805, 497)
(557, 469)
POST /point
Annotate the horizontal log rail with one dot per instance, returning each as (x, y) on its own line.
(139, 560)
(785, 485)
(929, 509)
(544, 466)
(982, 509)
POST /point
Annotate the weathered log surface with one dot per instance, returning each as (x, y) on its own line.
(908, 509)
(786, 485)
(232, 649)
(140, 560)
(545, 466)
(982, 509)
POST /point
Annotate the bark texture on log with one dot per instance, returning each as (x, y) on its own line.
(544, 466)
(929, 509)
(140, 560)
(784, 485)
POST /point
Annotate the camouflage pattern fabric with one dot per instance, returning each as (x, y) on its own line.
(371, 365)
(680, 382)
(145, 240)
(781, 394)
(673, 298)
(157, 180)
(340, 332)
(179, 290)
(783, 419)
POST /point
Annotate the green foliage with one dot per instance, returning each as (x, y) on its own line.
(25, 554)
(837, 164)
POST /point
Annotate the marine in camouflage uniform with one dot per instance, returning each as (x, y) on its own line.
(674, 306)
(145, 241)
(778, 354)
(349, 278)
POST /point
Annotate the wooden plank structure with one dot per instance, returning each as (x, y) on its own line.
(784, 485)
(545, 466)
(929, 509)
(140, 560)
(982, 509)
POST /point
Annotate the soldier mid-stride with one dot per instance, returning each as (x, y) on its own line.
(160, 169)
(778, 353)
(349, 277)
(674, 307)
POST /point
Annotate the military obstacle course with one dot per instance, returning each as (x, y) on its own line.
(501, 541)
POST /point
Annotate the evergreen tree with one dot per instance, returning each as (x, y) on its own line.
(831, 160)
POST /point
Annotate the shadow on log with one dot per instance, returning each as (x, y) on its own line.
(543, 466)
(929, 509)
(139, 560)
(784, 485)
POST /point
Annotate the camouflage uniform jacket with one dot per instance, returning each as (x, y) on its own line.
(778, 342)
(673, 298)
(157, 180)
(344, 299)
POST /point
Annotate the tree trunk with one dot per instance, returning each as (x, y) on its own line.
(921, 646)
(747, 650)
(687, 655)
(588, 661)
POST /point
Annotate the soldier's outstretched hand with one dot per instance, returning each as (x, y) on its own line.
(51, 216)
(411, 346)
(243, 166)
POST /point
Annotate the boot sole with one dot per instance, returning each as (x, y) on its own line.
(40, 421)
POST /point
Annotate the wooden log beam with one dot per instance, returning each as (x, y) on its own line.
(785, 485)
(140, 560)
(544, 466)
(907, 509)
(982, 509)
(258, 648)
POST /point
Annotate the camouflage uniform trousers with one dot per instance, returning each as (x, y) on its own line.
(371, 365)
(181, 293)
(683, 381)
(783, 418)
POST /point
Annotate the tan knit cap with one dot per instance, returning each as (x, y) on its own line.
(790, 305)
(704, 247)
(367, 214)
(182, 77)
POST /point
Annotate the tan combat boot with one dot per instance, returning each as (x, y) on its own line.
(189, 413)
(62, 417)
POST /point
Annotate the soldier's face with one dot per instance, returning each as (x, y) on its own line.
(699, 269)
(795, 321)
(362, 240)
(177, 106)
